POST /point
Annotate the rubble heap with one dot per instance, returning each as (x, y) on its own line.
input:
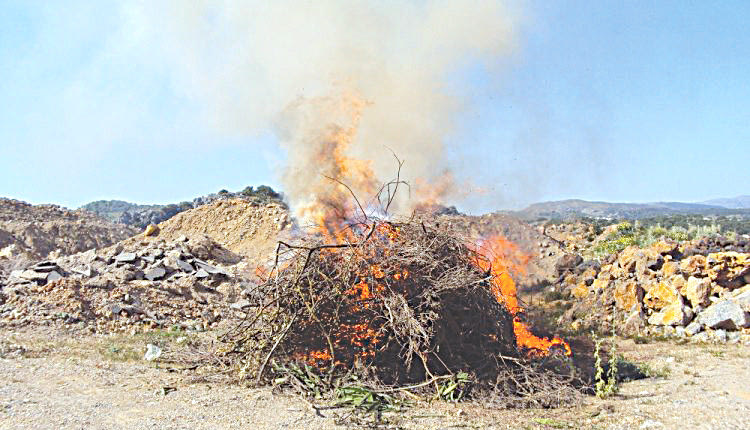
(188, 282)
(666, 288)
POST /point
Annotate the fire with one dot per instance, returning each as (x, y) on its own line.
(337, 220)
(507, 258)
(362, 337)
(320, 196)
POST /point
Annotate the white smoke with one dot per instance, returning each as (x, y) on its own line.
(247, 62)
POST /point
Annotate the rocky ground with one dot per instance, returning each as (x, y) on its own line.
(174, 274)
(75, 324)
(59, 380)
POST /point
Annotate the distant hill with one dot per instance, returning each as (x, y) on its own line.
(113, 209)
(139, 216)
(739, 202)
(571, 209)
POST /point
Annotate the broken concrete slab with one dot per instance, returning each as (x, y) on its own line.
(126, 257)
(155, 273)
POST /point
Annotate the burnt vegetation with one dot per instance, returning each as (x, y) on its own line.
(392, 308)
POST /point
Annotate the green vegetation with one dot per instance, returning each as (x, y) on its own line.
(549, 422)
(653, 372)
(263, 192)
(132, 347)
(727, 224)
(626, 234)
(605, 386)
(453, 389)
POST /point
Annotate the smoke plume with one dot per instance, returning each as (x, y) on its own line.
(341, 81)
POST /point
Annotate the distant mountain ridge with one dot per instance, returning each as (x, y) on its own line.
(739, 202)
(576, 208)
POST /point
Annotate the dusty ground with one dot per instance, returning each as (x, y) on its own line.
(52, 380)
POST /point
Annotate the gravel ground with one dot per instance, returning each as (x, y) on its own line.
(59, 381)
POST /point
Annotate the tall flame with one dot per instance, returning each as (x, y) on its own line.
(321, 168)
(503, 259)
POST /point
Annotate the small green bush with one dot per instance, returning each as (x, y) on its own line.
(627, 234)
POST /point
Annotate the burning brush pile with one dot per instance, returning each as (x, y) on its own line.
(399, 306)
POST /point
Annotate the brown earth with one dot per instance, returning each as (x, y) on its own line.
(61, 380)
(247, 228)
(39, 230)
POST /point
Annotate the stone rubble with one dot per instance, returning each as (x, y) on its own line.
(146, 285)
(666, 289)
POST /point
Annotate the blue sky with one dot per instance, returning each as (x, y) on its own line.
(617, 101)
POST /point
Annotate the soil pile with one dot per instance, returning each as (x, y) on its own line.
(242, 226)
(40, 230)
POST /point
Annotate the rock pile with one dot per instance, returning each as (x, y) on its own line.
(666, 288)
(707, 245)
(189, 282)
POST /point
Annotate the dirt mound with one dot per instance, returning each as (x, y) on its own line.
(247, 228)
(39, 230)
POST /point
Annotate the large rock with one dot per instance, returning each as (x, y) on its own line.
(693, 265)
(628, 294)
(728, 269)
(678, 282)
(693, 328)
(126, 257)
(670, 268)
(567, 263)
(660, 295)
(600, 284)
(726, 314)
(676, 314)
(580, 291)
(742, 297)
(151, 230)
(155, 273)
(698, 290)
(634, 323)
(666, 247)
(589, 275)
(33, 275)
(635, 259)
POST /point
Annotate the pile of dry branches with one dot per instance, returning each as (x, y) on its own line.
(398, 305)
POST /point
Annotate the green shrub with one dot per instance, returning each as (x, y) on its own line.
(626, 234)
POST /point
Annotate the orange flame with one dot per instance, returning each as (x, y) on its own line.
(507, 258)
